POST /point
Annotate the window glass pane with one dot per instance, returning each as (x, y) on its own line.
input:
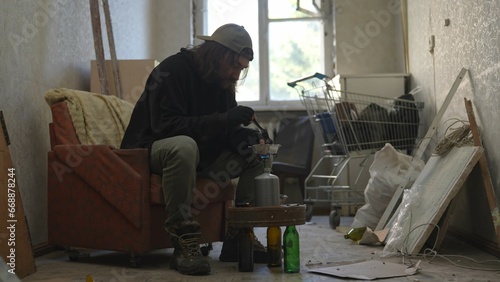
(279, 9)
(295, 50)
(245, 13)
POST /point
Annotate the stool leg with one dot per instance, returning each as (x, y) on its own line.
(245, 251)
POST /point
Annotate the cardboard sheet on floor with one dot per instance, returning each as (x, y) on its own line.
(367, 270)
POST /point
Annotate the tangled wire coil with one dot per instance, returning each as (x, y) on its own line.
(460, 136)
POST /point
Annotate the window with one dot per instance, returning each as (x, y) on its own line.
(289, 42)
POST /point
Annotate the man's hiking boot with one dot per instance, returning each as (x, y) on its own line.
(188, 258)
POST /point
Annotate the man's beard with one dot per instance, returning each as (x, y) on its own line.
(228, 84)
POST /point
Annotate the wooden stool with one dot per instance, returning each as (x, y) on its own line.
(249, 217)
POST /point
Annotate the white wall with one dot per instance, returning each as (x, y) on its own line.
(368, 37)
(471, 40)
(46, 44)
(49, 44)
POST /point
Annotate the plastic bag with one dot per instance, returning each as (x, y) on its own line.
(395, 241)
(387, 172)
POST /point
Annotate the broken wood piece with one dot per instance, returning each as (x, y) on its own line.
(371, 237)
(98, 46)
(112, 49)
(485, 172)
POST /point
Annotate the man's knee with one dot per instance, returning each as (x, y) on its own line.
(178, 150)
(184, 144)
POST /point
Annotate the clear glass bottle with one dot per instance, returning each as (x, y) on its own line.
(273, 246)
(245, 250)
(291, 248)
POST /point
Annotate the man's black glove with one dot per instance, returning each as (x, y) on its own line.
(240, 115)
(240, 138)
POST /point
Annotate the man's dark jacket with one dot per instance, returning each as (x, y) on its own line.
(176, 101)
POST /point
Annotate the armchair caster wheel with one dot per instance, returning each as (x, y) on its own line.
(205, 250)
(73, 255)
(135, 260)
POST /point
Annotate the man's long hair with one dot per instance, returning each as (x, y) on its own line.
(209, 57)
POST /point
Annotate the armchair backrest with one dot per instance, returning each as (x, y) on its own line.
(87, 118)
(62, 131)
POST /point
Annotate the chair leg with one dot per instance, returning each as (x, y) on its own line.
(302, 180)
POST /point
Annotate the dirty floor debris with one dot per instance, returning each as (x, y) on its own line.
(320, 247)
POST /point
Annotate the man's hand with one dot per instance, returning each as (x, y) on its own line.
(240, 115)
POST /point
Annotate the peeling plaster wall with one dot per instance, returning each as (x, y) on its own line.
(45, 44)
(170, 27)
(471, 40)
(368, 37)
(49, 44)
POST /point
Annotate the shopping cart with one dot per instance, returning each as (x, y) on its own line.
(353, 126)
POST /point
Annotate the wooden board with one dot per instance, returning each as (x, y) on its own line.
(98, 44)
(438, 183)
(15, 241)
(488, 186)
(283, 215)
(485, 172)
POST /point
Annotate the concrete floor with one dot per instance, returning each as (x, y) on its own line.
(321, 246)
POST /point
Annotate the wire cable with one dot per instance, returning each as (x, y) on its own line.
(430, 254)
(460, 136)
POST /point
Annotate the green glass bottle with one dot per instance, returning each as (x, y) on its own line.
(273, 246)
(355, 234)
(291, 250)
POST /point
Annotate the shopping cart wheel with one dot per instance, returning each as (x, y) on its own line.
(334, 219)
(309, 210)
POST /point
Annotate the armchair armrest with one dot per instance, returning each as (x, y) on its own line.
(121, 177)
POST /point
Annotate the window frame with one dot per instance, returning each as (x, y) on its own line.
(265, 103)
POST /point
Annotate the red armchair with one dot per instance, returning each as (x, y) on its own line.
(104, 198)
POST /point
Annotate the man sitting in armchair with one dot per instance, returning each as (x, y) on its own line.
(189, 120)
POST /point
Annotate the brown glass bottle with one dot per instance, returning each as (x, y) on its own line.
(274, 246)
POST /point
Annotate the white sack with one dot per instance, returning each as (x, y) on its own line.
(387, 172)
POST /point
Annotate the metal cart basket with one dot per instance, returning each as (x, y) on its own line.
(353, 126)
